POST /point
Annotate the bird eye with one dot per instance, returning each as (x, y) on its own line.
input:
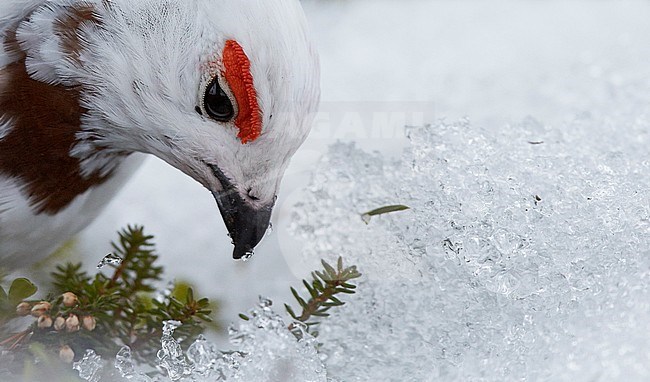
(216, 102)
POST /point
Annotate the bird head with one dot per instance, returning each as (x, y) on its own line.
(224, 90)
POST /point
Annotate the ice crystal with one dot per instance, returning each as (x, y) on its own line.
(268, 351)
(518, 260)
(202, 355)
(124, 362)
(171, 357)
(125, 365)
(111, 259)
(90, 366)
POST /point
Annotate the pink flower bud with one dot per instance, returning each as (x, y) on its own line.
(59, 324)
(89, 323)
(23, 309)
(66, 354)
(41, 308)
(44, 322)
(72, 323)
(69, 299)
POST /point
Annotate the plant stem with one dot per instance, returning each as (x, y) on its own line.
(315, 303)
(16, 339)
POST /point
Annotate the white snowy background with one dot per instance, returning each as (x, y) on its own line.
(556, 288)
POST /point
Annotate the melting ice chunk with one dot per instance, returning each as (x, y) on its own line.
(170, 326)
(90, 366)
(202, 355)
(124, 362)
(171, 358)
(111, 259)
(126, 366)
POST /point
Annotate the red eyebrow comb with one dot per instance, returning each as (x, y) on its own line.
(236, 71)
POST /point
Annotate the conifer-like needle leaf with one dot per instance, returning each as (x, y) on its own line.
(325, 285)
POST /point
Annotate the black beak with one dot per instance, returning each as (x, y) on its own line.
(246, 224)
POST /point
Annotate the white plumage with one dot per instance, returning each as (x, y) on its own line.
(142, 68)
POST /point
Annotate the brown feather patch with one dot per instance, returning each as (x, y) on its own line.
(3, 79)
(68, 28)
(45, 120)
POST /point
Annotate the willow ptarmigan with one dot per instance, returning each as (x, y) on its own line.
(223, 90)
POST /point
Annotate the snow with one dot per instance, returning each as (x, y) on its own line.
(525, 253)
(517, 260)
(267, 351)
